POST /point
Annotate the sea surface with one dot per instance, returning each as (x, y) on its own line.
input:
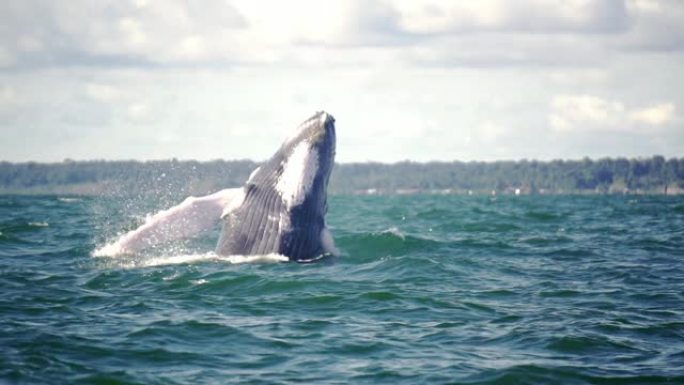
(428, 290)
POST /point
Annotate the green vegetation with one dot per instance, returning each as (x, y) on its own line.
(618, 176)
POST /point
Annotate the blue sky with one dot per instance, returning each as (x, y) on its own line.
(418, 80)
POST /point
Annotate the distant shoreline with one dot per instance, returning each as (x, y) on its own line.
(620, 176)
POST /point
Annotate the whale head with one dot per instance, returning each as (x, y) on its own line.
(285, 199)
(306, 160)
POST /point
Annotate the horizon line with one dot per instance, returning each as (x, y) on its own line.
(404, 161)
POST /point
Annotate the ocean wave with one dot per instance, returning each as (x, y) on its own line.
(491, 296)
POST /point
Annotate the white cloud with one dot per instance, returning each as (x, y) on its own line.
(8, 95)
(655, 116)
(277, 25)
(645, 5)
(415, 32)
(30, 44)
(132, 32)
(585, 112)
(102, 92)
(551, 16)
(7, 58)
(592, 113)
(138, 112)
(433, 17)
(501, 51)
(192, 47)
(656, 25)
(490, 131)
(109, 33)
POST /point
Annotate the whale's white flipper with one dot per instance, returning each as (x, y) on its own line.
(193, 215)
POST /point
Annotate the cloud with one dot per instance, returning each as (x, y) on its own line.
(141, 33)
(7, 58)
(8, 95)
(585, 112)
(656, 25)
(113, 33)
(138, 112)
(505, 51)
(657, 115)
(545, 16)
(588, 113)
(490, 132)
(102, 92)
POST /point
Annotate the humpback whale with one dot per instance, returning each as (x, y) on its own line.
(280, 209)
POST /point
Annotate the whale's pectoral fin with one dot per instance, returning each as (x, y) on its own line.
(193, 215)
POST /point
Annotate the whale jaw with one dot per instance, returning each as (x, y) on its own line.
(285, 199)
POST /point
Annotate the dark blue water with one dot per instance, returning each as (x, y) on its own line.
(430, 290)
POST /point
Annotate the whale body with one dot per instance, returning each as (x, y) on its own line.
(281, 209)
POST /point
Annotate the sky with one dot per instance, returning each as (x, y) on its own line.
(405, 79)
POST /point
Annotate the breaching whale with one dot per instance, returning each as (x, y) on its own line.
(280, 209)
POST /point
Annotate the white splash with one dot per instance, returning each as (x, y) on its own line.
(394, 231)
(108, 250)
(68, 200)
(182, 259)
(328, 242)
(298, 175)
(212, 257)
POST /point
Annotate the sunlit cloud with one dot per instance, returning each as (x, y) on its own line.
(587, 112)
(657, 115)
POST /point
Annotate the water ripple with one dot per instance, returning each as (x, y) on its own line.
(468, 290)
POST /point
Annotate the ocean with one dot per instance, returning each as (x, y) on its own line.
(428, 290)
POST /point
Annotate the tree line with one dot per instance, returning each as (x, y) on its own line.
(609, 175)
